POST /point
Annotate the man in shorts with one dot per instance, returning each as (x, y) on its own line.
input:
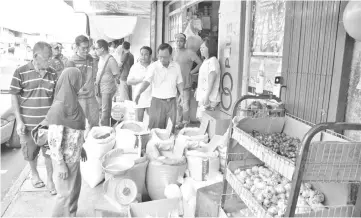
(185, 58)
(32, 89)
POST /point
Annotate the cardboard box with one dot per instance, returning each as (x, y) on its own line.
(157, 208)
(218, 122)
(209, 200)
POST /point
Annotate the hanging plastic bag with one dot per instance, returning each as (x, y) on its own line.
(194, 41)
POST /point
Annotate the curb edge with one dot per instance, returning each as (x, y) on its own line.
(14, 189)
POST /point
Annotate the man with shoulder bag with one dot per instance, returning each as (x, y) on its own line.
(106, 81)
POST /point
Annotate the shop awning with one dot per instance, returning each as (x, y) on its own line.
(52, 17)
(111, 27)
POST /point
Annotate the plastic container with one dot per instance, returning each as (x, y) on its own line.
(160, 175)
(137, 172)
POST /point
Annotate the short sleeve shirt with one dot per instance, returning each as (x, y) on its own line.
(164, 80)
(185, 59)
(139, 72)
(208, 66)
(107, 83)
(35, 93)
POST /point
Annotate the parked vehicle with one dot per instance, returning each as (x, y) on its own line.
(9, 135)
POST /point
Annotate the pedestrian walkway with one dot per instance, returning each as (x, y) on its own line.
(23, 200)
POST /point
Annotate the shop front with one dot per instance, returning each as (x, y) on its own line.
(300, 52)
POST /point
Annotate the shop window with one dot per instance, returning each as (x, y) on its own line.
(175, 26)
(268, 19)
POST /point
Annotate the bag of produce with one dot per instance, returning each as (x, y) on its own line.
(191, 137)
(100, 140)
(132, 136)
(202, 165)
(92, 172)
(161, 173)
(161, 139)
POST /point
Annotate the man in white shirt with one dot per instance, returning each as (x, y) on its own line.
(135, 78)
(166, 79)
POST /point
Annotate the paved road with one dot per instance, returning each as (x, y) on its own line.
(12, 163)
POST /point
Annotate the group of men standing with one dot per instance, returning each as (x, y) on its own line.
(32, 88)
(156, 87)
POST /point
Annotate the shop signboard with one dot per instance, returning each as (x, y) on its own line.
(229, 53)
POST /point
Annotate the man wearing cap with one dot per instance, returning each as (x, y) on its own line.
(185, 58)
(58, 61)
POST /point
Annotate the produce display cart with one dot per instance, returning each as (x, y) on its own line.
(321, 158)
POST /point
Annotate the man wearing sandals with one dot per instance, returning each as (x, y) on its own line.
(32, 89)
(185, 58)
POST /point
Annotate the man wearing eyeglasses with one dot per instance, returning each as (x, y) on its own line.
(106, 80)
(59, 60)
(88, 67)
(32, 89)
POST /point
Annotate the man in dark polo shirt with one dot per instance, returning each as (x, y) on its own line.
(32, 89)
(126, 62)
(88, 67)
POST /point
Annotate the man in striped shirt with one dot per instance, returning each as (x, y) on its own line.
(32, 89)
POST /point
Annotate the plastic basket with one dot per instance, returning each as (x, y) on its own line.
(327, 161)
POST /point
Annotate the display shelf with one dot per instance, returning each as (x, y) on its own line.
(259, 211)
(277, 162)
(326, 161)
(317, 160)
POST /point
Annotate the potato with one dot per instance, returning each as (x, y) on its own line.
(249, 172)
(267, 203)
(272, 211)
(261, 185)
(287, 187)
(255, 169)
(280, 189)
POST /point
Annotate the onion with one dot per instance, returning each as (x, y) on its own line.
(308, 185)
(267, 203)
(243, 174)
(274, 199)
(261, 185)
(172, 191)
(272, 211)
(255, 169)
(260, 198)
(253, 189)
(288, 187)
(280, 189)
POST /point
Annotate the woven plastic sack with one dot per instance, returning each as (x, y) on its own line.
(137, 173)
(132, 136)
(159, 175)
(191, 138)
(196, 166)
(162, 140)
(100, 140)
(92, 172)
